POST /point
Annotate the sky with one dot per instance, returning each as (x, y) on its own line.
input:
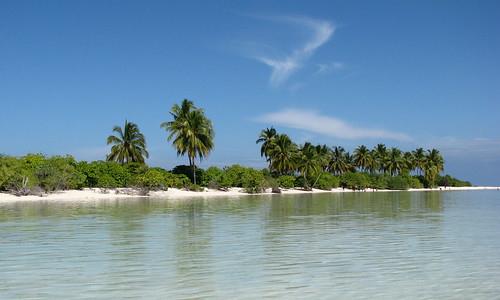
(405, 73)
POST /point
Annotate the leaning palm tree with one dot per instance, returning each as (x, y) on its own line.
(283, 155)
(129, 144)
(267, 138)
(191, 132)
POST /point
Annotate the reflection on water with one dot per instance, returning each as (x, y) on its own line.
(352, 245)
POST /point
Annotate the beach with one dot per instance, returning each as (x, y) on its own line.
(94, 194)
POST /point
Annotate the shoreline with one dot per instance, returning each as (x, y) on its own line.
(97, 194)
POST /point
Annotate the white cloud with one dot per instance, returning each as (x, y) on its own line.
(314, 122)
(284, 67)
(485, 149)
(330, 67)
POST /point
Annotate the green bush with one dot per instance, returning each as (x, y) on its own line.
(355, 181)
(448, 180)
(153, 179)
(398, 183)
(105, 174)
(212, 178)
(379, 182)
(253, 181)
(286, 181)
(327, 181)
(188, 172)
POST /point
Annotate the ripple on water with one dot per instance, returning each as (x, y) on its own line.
(356, 245)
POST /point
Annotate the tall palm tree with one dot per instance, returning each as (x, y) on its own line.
(129, 144)
(267, 138)
(372, 162)
(338, 163)
(362, 157)
(419, 159)
(191, 131)
(283, 155)
(408, 162)
(433, 165)
(308, 162)
(324, 156)
(395, 162)
(381, 157)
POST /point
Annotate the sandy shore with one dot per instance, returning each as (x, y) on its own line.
(101, 194)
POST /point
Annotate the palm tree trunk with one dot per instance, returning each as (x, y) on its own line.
(194, 172)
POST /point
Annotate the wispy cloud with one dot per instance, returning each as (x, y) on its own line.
(317, 123)
(330, 67)
(283, 67)
(485, 149)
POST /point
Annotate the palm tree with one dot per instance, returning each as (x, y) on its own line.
(362, 157)
(395, 162)
(324, 156)
(338, 163)
(381, 157)
(433, 165)
(129, 144)
(372, 162)
(419, 159)
(191, 131)
(282, 155)
(408, 162)
(267, 138)
(308, 162)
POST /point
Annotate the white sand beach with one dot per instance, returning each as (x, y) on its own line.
(173, 193)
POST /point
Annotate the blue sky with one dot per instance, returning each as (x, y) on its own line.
(404, 73)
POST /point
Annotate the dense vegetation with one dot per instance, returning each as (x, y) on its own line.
(289, 165)
(36, 174)
(284, 157)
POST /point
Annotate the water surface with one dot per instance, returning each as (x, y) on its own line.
(420, 245)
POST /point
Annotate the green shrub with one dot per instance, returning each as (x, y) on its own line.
(398, 183)
(414, 183)
(188, 172)
(153, 179)
(286, 181)
(212, 178)
(105, 174)
(448, 180)
(253, 181)
(232, 176)
(355, 181)
(380, 182)
(327, 181)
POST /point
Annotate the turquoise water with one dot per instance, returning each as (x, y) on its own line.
(421, 245)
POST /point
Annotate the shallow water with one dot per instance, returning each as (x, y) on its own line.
(420, 245)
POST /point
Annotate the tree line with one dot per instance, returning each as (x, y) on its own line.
(285, 157)
(191, 134)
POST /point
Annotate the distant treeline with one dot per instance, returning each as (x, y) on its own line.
(36, 173)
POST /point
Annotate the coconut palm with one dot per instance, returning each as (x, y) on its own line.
(338, 163)
(191, 132)
(362, 157)
(129, 144)
(433, 165)
(267, 138)
(408, 162)
(419, 159)
(395, 162)
(283, 154)
(381, 157)
(308, 162)
(324, 156)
